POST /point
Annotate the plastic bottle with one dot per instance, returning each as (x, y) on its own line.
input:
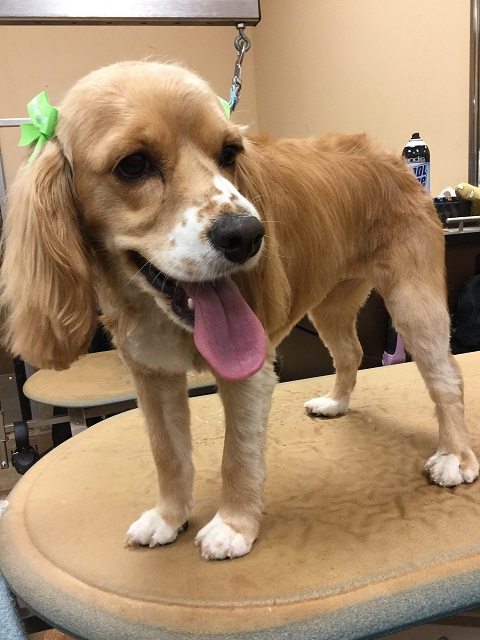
(417, 155)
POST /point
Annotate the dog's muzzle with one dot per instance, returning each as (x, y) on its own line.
(237, 237)
(181, 303)
(225, 329)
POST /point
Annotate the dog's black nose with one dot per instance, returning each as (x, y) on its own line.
(237, 237)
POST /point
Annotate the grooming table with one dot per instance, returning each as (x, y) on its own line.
(97, 384)
(355, 543)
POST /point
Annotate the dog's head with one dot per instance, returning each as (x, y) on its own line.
(140, 174)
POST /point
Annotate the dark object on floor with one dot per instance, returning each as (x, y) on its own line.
(24, 455)
(466, 319)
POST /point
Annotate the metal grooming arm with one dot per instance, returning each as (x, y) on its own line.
(461, 221)
(141, 12)
(7, 122)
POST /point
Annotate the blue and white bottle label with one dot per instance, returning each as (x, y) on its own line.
(422, 173)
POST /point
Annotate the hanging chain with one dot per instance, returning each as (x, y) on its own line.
(242, 45)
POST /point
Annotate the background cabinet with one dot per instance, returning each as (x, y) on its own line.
(303, 355)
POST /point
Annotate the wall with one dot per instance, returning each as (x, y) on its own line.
(385, 67)
(388, 68)
(52, 58)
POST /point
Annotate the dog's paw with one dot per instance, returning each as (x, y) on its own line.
(448, 470)
(152, 530)
(218, 540)
(327, 407)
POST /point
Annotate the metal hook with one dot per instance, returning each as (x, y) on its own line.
(242, 41)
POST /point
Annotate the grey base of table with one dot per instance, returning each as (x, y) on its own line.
(355, 542)
(10, 629)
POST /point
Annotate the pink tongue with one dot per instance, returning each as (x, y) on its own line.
(227, 333)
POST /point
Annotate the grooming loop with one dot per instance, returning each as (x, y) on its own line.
(242, 45)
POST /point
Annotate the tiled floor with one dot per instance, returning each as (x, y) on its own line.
(438, 632)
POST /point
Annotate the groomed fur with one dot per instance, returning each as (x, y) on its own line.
(47, 289)
(340, 215)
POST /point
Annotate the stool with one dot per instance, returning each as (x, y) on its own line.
(355, 542)
(97, 384)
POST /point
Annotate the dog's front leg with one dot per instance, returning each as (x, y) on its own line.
(163, 400)
(234, 528)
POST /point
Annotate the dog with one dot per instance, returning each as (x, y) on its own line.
(203, 246)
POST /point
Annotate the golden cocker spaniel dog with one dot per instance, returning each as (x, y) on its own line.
(203, 247)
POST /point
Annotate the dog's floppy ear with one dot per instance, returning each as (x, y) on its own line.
(47, 294)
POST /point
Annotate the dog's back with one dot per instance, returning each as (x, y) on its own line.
(335, 208)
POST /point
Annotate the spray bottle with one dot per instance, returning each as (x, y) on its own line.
(417, 155)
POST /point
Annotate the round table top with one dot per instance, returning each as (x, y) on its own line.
(355, 540)
(94, 379)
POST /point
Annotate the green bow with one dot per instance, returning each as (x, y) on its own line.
(44, 119)
(225, 106)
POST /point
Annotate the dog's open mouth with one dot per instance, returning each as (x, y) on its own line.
(182, 304)
(225, 330)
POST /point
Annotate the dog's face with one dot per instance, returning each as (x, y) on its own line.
(141, 170)
(153, 162)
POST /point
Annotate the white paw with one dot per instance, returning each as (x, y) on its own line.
(327, 406)
(446, 469)
(219, 541)
(151, 529)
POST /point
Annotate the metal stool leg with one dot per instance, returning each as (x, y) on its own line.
(78, 420)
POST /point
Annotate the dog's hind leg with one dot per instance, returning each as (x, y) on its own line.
(163, 400)
(235, 526)
(335, 320)
(417, 304)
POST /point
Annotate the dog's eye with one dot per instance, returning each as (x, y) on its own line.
(228, 156)
(134, 167)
